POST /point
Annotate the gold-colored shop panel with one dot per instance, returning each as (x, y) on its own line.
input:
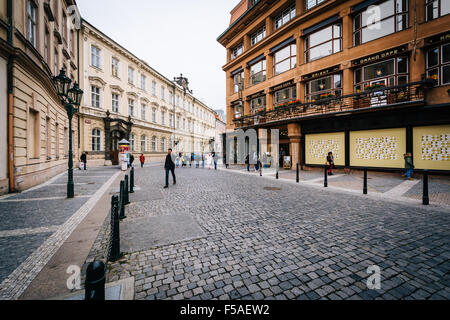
(318, 145)
(378, 148)
(432, 147)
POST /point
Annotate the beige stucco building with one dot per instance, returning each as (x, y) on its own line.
(37, 38)
(125, 98)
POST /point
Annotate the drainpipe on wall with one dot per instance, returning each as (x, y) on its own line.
(12, 185)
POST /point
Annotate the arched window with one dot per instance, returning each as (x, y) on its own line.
(143, 144)
(96, 140)
(133, 142)
(163, 144)
(154, 144)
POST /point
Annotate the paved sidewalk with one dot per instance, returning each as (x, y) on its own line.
(381, 183)
(36, 223)
(242, 236)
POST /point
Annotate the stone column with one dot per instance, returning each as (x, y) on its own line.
(263, 141)
(295, 134)
(247, 44)
(269, 99)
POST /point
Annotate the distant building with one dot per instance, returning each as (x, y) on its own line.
(221, 114)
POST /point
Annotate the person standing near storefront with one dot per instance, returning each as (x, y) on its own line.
(409, 166)
(330, 163)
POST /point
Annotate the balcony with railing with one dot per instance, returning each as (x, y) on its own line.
(373, 98)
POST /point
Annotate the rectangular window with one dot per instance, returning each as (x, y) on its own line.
(285, 95)
(115, 102)
(131, 107)
(258, 105)
(170, 120)
(96, 140)
(287, 15)
(32, 22)
(438, 64)
(258, 36)
(56, 66)
(393, 17)
(95, 96)
(47, 45)
(436, 8)
(285, 59)
(154, 115)
(115, 67)
(143, 112)
(131, 75)
(163, 93)
(312, 3)
(237, 51)
(258, 72)
(95, 57)
(64, 28)
(326, 87)
(143, 82)
(154, 88)
(163, 118)
(33, 134)
(323, 43)
(238, 82)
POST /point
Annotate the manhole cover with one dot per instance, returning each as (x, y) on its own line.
(272, 189)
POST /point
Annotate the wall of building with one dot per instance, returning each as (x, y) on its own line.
(4, 182)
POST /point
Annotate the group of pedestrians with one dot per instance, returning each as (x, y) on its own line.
(209, 160)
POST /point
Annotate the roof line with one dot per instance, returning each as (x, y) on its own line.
(239, 19)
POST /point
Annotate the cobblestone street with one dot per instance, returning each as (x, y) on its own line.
(228, 235)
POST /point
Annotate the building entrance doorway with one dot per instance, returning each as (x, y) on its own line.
(116, 136)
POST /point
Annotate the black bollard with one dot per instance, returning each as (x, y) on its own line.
(132, 181)
(127, 191)
(298, 173)
(114, 254)
(426, 198)
(95, 281)
(260, 171)
(122, 200)
(277, 176)
(365, 181)
(325, 182)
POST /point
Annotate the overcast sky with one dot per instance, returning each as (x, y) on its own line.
(173, 36)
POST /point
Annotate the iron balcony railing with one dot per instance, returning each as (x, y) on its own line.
(400, 95)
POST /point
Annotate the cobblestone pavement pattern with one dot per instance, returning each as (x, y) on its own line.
(268, 239)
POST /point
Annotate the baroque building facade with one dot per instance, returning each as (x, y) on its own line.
(125, 98)
(37, 39)
(367, 80)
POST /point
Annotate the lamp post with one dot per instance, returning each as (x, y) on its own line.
(71, 100)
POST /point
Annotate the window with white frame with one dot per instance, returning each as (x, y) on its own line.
(144, 112)
(154, 146)
(287, 15)
(143, 143)
(237, 51)
(163, 93)
(258, 35)
(163, 118)
(130, 75)
(154, 115)
(436, 8)
(131, 107)
(285, 59)
(95, 57)
(163, 144)
(95, 96)
(115, 102)
(115, 67)
(154, 88)
(170, 120)
(96, 140)
(143, 82)
(323, 42)
(312, 3)
(32, 22)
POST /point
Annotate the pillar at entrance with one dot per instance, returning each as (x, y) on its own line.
(295, 134)
(263, 136)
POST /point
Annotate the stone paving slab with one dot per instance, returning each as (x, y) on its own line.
(268, 239)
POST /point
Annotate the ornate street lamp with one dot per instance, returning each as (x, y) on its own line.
(71, 100)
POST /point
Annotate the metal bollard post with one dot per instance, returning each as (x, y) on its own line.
(127, 191)
(325, 182)
(95, 281)
(122, 200)
(298, 173)
(426, 198)
(115, 231)
(132, 181)
(260, 170)
(365, 181)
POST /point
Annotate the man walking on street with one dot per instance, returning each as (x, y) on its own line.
(83, 159)
(142, 159)
(169, 166)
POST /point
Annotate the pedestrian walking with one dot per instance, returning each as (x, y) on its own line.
(169, 166)
(142, 159)
(83, 159)
(197, 161)
(203, 160)
(330, 163)
(183, 161)
(215, 160)
(192, 159)
(409, 166)
(247, 162)
(256, 160)
(209, 161)
(131, 160)
(177, 160)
